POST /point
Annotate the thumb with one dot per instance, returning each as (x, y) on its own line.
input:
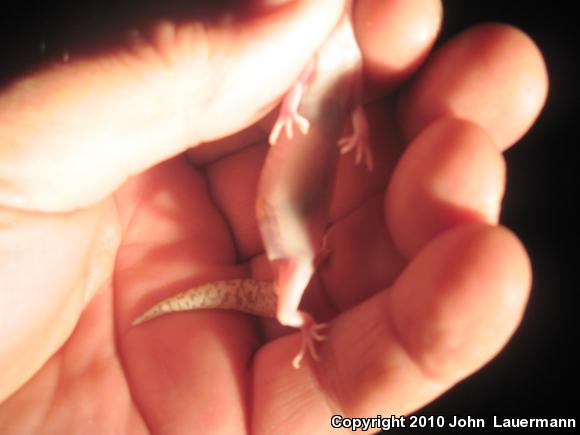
(71, 133)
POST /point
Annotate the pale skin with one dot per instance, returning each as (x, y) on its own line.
(422, 287)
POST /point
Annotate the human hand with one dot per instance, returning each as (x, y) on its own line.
(83, 249)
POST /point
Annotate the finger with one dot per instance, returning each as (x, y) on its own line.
(451, 311)
(74, 132)
(233, 182)
(363, 257)
(492, 74)
(64, 388)
(185, 369)
(395, 37)
(355, 184)
(451, 174)
(50, 267)
(176, 240)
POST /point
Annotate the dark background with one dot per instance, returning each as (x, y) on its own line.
(536, 375)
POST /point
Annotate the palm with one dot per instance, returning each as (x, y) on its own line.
(174, 232)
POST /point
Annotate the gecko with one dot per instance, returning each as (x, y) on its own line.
(295, 189)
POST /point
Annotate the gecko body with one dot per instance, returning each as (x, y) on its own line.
(298, 177)
(295, 190)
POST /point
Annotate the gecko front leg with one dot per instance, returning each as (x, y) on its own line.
(289, 115)
(359, 139)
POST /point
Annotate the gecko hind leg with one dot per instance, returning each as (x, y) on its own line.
(359, 139)
(311, 333)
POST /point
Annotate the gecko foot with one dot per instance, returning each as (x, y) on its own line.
(359, 139)
(311, 333)
(289, 116)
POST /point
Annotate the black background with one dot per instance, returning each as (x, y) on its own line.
(536, 375)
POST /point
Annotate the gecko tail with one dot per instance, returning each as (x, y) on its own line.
(147, 315)
(192, 299)
(151, 313)
(246, 295)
